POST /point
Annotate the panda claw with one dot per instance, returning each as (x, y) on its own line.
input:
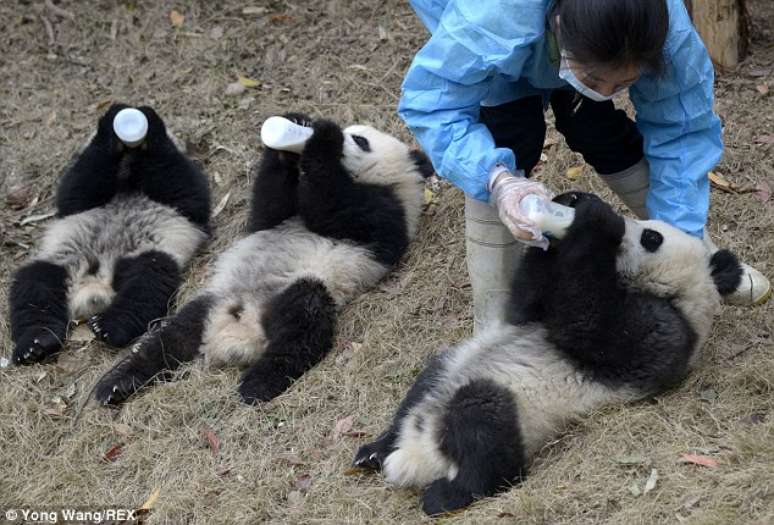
(373, 456)
(35, 342)
(115, 388)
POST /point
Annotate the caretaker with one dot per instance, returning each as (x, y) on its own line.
(476, 93)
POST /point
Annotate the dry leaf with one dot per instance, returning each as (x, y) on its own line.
(248, 82)
(295, 497)
(765, 139)
(292, 459)
(221, 205)
(343, 426)
(212, 439)
(303, 482)
(252, 10)
(717, 180)
(280, 18)
(634, 489)
(382, 33)
(122, 430)
(177, 18)
(112, 454)
(574, 172)
(57, 407)
(429, 196)
(698, 460)
(235, 88)
(651, 483)
(216, 32)
(148, 505)
(763, 89)
(39, 377)
(354, 471)
(763, 191)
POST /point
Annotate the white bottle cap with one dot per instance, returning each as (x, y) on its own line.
(131, 126)
(283, 134)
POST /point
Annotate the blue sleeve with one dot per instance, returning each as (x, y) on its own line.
(682, 134)
(450, 77)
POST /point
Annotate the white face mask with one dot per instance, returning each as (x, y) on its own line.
(566, 74)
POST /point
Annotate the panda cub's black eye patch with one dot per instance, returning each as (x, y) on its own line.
(362, 143)
(651, 240)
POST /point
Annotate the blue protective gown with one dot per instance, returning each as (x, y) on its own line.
(496, 51)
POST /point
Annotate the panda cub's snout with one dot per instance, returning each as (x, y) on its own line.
(651, 240)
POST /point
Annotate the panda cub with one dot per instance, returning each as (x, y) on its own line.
(616, 311)
(324, 226)
(128, 221)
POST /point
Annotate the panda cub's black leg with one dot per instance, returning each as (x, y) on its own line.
(372, 455)
(275, 190)
(157, 354)
(144, 286)
(299, 324)
(481, 436)
(38, 308)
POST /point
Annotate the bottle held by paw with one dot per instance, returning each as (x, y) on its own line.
(283, 134)
(130, 126)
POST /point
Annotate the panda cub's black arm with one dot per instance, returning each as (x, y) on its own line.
(584, 299)
(90, 181)
(332, 204)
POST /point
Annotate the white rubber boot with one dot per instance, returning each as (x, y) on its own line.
(493, 255)
(632, 185)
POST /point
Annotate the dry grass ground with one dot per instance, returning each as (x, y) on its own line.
(282, 462)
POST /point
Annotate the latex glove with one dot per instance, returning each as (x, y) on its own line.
(507, 191)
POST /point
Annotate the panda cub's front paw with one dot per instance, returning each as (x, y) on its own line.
(327, 138)
(301, 119)
(595, 216)
(372, 455)
(123, 380)
(35, 346)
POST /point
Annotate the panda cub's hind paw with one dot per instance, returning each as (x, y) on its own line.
(443, 496)
(35, 346)
(122, 381)
(110, 330)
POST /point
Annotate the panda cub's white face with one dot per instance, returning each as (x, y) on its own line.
(374, 157)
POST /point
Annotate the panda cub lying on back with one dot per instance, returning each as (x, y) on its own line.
(616, 311)
(128, 221)
(324, 227)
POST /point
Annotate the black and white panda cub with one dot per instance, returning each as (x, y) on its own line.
(128, 221)
(324, 227)
(616, 311)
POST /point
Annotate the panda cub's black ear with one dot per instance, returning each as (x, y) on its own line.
(726, 271)
(423, 162)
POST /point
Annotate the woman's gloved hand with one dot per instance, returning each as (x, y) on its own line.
(507, 190)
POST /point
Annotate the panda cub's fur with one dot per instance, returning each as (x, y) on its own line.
(324, 227)
(128, 221)
(616, 311)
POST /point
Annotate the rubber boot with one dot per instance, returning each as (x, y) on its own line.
(493, 255)
(632, 184)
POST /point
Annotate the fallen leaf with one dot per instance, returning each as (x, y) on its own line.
(216, 33)
(248, 82)
(212, 439)
(235, 88)
(292, 459)
(177, 18)
(763, 191)
(37, 218)
(574, 172)
(756, 419)
(708, 394)
(253, 10)
(718, 181)
(634, 489)
(343, 426)
(221, 205)
(112, 454)
(280, 18)
(148, 505)
(698, 460)
(762, 72)
(222, 471)
(354, 471)
(303, 482)
(39, 377)
(429, 195)
(506, 515)
(122, 430)
(382, 33)
(763, 89)
(765, 139)
(633, 459)
(316, 454)
(295, 497)
(19, 198)
(56, 408)
(652, 480)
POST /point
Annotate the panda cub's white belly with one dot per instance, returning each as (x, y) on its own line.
(260, 266)
(89, 243)
(549, 393)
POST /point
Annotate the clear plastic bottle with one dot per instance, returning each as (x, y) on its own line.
(283, 134)
(551, 218)
(131, 126)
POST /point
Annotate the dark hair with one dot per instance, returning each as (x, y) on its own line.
(613, 32)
